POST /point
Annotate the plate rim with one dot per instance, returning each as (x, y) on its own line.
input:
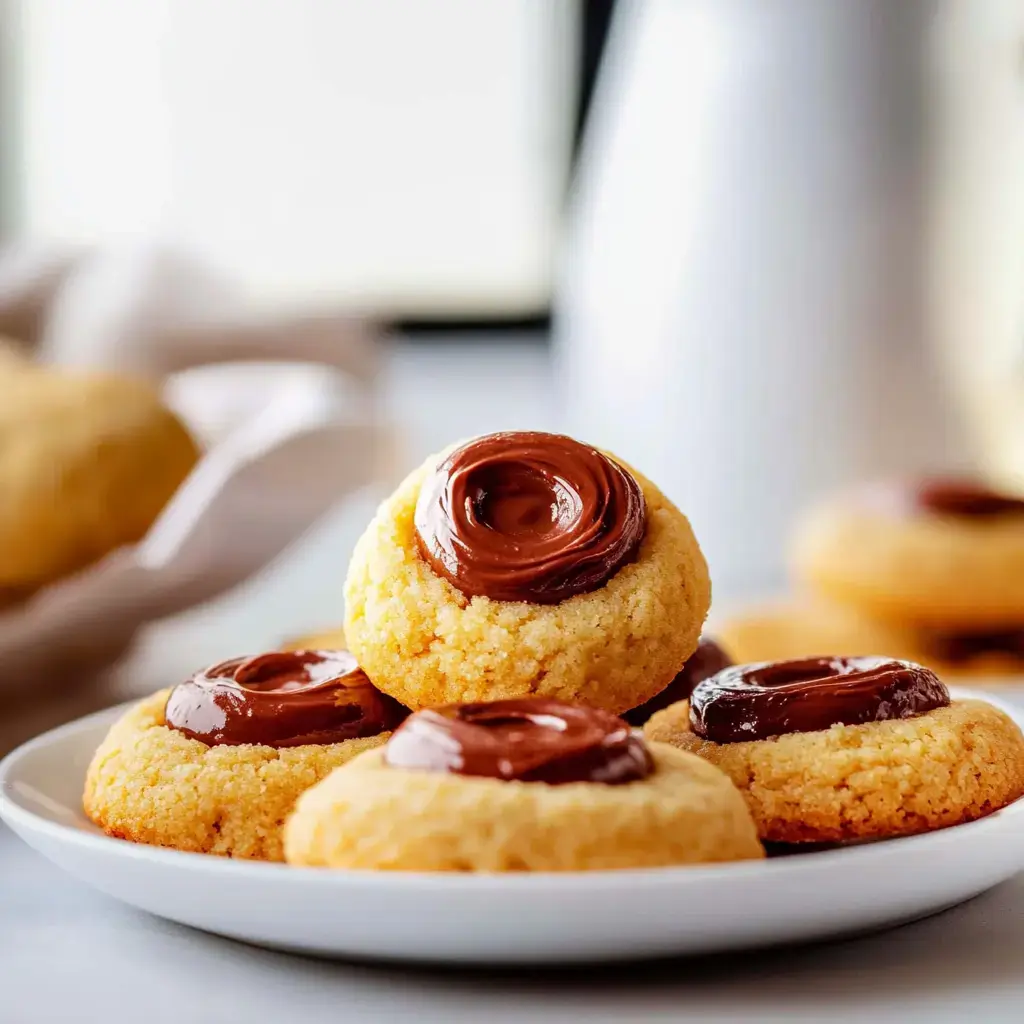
(19, 817)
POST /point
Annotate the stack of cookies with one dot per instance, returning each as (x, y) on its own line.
(931, 571)
(513, 610)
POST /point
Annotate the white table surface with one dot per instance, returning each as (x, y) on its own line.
(70, 954)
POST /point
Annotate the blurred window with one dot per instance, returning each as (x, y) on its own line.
(409, 154)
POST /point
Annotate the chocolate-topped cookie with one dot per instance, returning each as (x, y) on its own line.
(525, 564)
(841, 748)
(520, 785)
(214, 764)
(944, 557)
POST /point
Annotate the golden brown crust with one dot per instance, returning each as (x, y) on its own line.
(938, 571)
(871, 781)
(805, 629)
(87, 462)
(151, 784)
(367, 815)
(425, 643)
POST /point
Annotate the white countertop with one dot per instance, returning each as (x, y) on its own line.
(70, 954)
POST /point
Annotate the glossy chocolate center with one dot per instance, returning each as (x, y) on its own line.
(282, 699)
(705, 662)
(529, 516)
(755, 702)
(530, 740)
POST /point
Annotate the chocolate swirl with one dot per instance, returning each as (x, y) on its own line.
(528, 516)
(755, 702)
(962, 498)
(283, 699)
(531, 740)
(705, 662)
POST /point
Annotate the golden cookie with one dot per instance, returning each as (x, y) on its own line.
(804, 629)
(871, 781)
(370, 815)
(427, 642)
(943, 556)
(86, 465)
(152, 784)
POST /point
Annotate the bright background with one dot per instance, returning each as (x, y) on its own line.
(409, 156)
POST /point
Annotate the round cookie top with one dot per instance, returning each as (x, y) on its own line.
(767, 699)
(529, 516)
(282, 699)
(528, 740)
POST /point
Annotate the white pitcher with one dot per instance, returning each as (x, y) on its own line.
(742, 312)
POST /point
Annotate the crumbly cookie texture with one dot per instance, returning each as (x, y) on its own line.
(369, 815)
(870, 781)
(809, 628)
(152, 784)
(87, 462)
(928, 570)
(425, 643)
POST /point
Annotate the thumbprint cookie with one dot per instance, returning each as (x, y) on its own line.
(526, 564)
(838, 749)
(520, 785)
(946, 556)
(215, 764)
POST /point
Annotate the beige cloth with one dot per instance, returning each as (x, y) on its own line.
(30, 277)
(311, 433)
(153, 311)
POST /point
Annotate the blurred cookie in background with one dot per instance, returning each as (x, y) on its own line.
(87, 463)
(808, 628)
(943, 553)
(801, 628)
(929, 570)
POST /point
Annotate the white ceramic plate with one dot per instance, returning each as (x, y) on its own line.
(519, 919)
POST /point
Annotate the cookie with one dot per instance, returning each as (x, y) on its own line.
(944, 555)
(522, 785)
(804, 629)
(215, 765)
(842, 749)
(525, 564)
(86, 464)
